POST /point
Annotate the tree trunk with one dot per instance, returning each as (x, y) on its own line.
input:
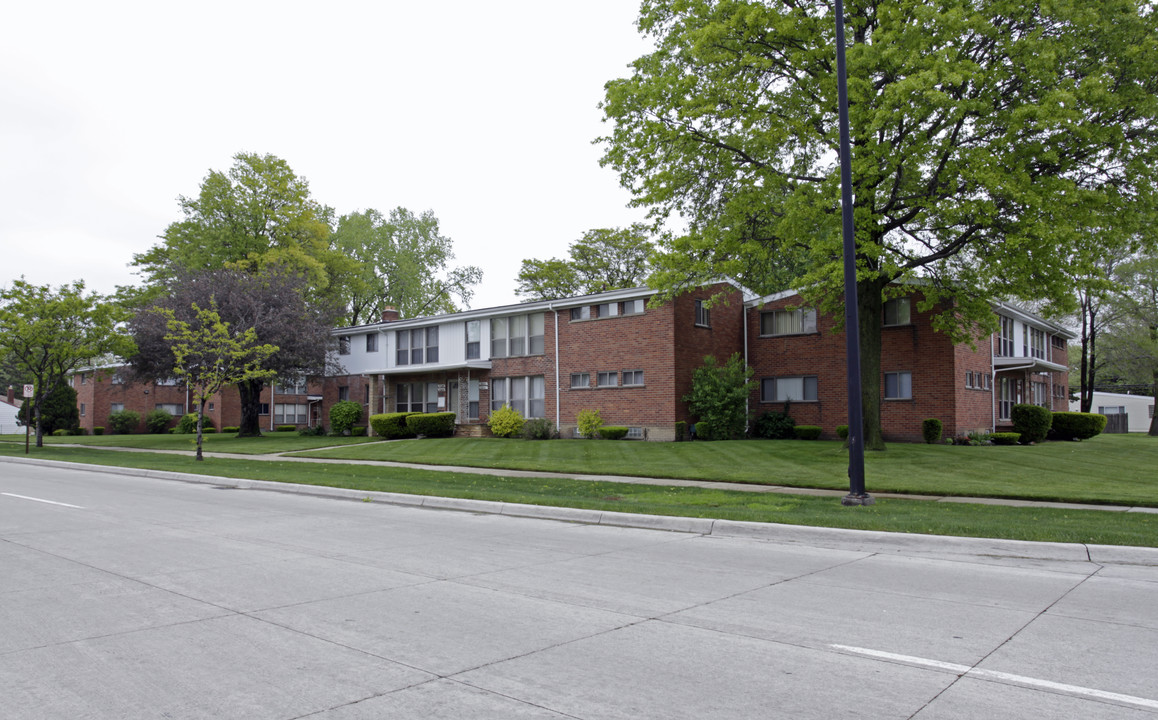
(39, 426)
(1086, 373)
(870, 311)
(250, 391)
(1154, 387)
(200, 424)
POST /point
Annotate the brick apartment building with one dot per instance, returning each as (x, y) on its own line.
(611, 352)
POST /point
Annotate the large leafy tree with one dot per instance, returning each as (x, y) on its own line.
(986, 135)
(256, 214)
(1131, 341)
(48, 334)
(603, 259)
(272, 303)
(402, 261)
(59, 411)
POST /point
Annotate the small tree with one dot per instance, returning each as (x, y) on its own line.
(588, 423)
(343, 415)
(208, 356)
(719, 396)
(157, 421)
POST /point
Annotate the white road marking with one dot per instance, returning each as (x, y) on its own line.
(965, 670)
(50, 502)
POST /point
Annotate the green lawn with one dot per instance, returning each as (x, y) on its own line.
(273, 442)
(1109, 469)
(912, 516)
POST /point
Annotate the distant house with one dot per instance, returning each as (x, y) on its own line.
(1125, 413)
(9, 408)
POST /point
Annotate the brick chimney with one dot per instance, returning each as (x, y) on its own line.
(11, 395)
(390, 314)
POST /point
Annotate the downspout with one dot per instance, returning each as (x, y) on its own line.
(992, 389)
(272, 392)
(551, 307)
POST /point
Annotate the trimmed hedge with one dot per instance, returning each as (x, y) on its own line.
(702, 431)
(774, 426)
(285, 428)
(124, 422)
(612, 432)
(931, 430)
(1031, 421)
(391, 425)
(358, 431)
(681, 431)
(1004, 438)
(1076, 425)
(807, 432)
(539, 429)
(230, 429)
(431, 424)
(842, 432)
(98, 430)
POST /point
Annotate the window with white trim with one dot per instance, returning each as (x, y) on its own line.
(167, 382)
(291, 387)
(116, 407)
(633, 307)
(344, 393)
(343, 344)
(580, 380)
(581, 313)
(607, 379)
(82, 409)
(800, 388)
(372, 342)
(1005, 337)
(898, 385)
(290, 413)
(969, 379)
(788, 322)
(1004, 398)
(1040, 392)
(472, 401)
(527, 395)
(703, 314)
(517, 335)
(604, 310)
(416, 397)
(898, 311)
(632, 378)
(473, 339)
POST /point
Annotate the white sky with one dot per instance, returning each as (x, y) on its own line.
(481, 112)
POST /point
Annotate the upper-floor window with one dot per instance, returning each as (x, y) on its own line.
(633, 307)
(343, 344)
(291, 387)
(1057, 341)
(606, 310)
(84, 378)
(1005, 338)
(607, 379)
(371, 342)
(473, 339)
(898, 311)
(632, 377)
(417, 346)
(517, 335)
(581, 313)
(703, 315)
(344, 392)
(1033, 341)
(167, 382)
(788, 322)
(580, 380)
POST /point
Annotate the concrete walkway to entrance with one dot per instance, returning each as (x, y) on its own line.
(740, 487)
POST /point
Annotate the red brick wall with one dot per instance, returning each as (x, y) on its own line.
(693, 343)
(98, 392)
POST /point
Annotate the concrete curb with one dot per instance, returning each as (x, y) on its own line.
(831, 538)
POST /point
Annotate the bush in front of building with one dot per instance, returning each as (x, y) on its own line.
(1004, 438)
(612, 432)
(931, 430)
(391, 425)
(344, 414)
(187, 425)
(157, 421)
(230, 430)
(506, 422)
(719, 396)
(774, 425)
(539, 429)
(58, 411)
(807, 432)
(588, 422)
(358, 431)
(124, 422)
(842, 432)
(315, 431)
(98, 430)
(1032, 422)
(1076, 425)
(285, 428)
(62, 432)
(431, 424)
(681, 431)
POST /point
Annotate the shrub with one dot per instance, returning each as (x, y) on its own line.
(358, 431)
(774, 426)
(124, 422)
(431, 424)
(60, 432)
(58, 410)
(1031, 422)
(506, 422)
(807, 432)
(681, 431)
(719, 396)
(1076, 425)
(343, 415)
(588, 423)
(188, 423)
(931, 430)
(702, 431)
(391, 425)
(78, 431)
(157, 421)
(318, 430)
(98, 430)
(842, 432)
(285, 428)
(1005, 438)
(539, 429)
(230, 430)
(208, 430)
(612, 432)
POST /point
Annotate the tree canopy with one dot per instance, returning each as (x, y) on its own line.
(986, 136)
(48, 334)
(603, 259)
(404, 262)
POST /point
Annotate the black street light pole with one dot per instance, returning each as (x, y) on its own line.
(856, 491)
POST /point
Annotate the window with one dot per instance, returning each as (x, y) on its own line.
(1005, 338)
(209, 407)
(84, 378)
(431, 345)
(635, 433)
(344, 393)
(264, 410)
(498, 337)
(498, 393)
(1035, 345)
(116, 407)
(167, 382)
(416, 397)
(607, 379)
(371, 342)
(472, 399)
(517, 335)
(898, 386)
(633, 307)
(291, 387)
(788, 389)
(703, 315)
(969, 379)
(1004, 398)
(402, 343)
(366, 398)
(290, 413)
(343, 344)
(473, 339)
(524, 394)
(416, 347)
(897, 311)
(118, 378)
(176, 409)
(986, 381)
(82, 409)
(1040, 392)
(632, 377)
(788, 322)
(535, 328)
(1057, 341)
(431, 397)
(606, 310)
(580, 380)
(518, 340)
(581, 313)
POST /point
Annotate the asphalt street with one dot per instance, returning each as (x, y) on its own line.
(137, 597)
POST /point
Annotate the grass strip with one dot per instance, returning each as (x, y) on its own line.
(892, 515)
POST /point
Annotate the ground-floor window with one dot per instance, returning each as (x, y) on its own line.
(290, 413)
(1004, 398)
(1040, 394)
(416, 397)
(898, 386)
(527, 395)
(789, 389)
(174, 409)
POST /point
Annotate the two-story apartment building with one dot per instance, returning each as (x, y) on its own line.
(799, 359)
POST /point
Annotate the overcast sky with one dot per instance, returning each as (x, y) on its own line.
(482, 112)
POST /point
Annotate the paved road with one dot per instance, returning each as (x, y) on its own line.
(128, 597)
